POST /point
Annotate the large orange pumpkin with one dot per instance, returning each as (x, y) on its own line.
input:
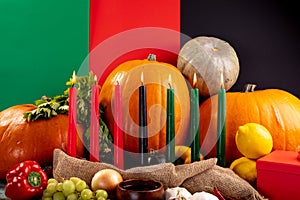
(21, 140)
(156, 80)
(277, 110)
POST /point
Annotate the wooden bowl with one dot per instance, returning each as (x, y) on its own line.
(138, 189)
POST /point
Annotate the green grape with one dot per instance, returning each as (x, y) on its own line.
(51, 188)
(101, 198)
(46, 198)
(75, 179)
(52, 180)
(73, 196)
(59, 187)
(68, 187)
(101, 193)
(80, 185)
(86, 194)
(46, 193)
(58, 196)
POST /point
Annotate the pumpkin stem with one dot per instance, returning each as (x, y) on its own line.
(249, 88)
(151, 57)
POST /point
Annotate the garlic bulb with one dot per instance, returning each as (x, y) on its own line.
(177, 193)
(180, 193)
(203, 196)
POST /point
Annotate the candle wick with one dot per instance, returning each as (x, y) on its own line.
(73, 78)
(170, 85)
(222, 82)
(194, 80)
(142, 78)
(222, 86)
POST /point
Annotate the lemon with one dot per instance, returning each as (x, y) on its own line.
(245, 168)
(253, 140)
(184, 152)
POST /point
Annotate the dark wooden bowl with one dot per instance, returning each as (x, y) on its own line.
(137, 189)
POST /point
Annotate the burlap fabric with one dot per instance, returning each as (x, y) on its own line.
(195, 177)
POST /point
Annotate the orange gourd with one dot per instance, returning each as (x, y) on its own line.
(277, 110)
(21, 140)
(156, 79)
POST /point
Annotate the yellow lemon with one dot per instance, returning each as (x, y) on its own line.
(253, 140)
(184, 152)
(245, 168)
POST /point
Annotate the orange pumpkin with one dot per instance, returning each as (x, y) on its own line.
(156, 80)
(21, 140)
(277, 110)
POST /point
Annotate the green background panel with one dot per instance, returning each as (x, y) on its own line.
(41, 43)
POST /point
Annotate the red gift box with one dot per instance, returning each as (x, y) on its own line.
(278, 175)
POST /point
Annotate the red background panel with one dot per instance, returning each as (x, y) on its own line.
(123, 30)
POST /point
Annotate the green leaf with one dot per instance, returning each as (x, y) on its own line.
(50, 107)
(54, 105)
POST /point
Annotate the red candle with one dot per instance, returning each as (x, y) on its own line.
(72, 133)
(94, 124)
(118, 133)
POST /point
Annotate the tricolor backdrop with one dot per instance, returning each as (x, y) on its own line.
(42, 42)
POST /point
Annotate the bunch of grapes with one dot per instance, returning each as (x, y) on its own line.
(72, 189)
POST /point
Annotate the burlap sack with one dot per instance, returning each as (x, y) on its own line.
(228, 183)
(168, 174)
(195, 177)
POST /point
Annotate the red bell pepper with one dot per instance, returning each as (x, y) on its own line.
(25, 180)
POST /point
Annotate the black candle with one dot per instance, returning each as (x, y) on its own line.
(143, 133)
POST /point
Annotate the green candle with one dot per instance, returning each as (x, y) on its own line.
(221, 125)
(170, 140)
(194, 122)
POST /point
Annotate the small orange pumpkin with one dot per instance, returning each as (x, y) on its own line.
(156, 79)
(277, 110)
(21, 140)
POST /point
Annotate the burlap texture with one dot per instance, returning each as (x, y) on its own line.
(168, 174)
(228, 183)
(195, 177)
